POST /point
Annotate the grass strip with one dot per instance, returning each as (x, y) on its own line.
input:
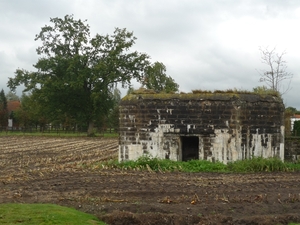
(43, 214)
(257, 164)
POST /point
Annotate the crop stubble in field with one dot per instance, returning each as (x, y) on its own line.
(63, 171)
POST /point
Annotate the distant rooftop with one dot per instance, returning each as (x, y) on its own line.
(296, 116)
(13, 105)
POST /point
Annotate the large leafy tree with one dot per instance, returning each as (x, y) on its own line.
(157, 79)
(76, 72)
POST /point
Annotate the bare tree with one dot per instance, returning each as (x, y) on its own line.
(277, 74)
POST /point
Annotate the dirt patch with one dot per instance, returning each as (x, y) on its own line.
(49, 170)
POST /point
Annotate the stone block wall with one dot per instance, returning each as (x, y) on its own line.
(210, 126)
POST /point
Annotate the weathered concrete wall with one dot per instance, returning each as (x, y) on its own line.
(292, 149)
(222, 126)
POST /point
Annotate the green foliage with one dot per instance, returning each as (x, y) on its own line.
(296, 128)
(291, 110)
(157, 80)
(263, 90)
(250, 165)
(288, 112)
(3, 100)
(156, 164)
(258, 164)
(260, 90)
(147, 162)
(291, 166)
(28, 214)
(31, 112)
(112, 118)
(130, 90)
(76, 73)
(3, 109)
(203, 166)
(57, 133)
(199, 91)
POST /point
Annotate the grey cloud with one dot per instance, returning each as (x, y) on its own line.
(185, 35)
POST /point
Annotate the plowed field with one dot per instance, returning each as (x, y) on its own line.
(63, 171)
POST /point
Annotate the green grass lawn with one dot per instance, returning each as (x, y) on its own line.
(42, 214)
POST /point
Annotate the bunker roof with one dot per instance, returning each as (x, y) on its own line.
(228, 95)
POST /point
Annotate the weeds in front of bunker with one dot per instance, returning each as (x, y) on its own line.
(257, 164)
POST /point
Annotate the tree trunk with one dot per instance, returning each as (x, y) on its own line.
(90, 131)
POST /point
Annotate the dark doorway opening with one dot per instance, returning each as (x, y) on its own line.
(190, 148)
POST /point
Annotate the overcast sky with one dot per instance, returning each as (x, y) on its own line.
(205, 44)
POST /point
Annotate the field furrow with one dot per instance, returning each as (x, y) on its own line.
(20, 154)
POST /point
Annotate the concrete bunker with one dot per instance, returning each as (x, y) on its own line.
(224, 126)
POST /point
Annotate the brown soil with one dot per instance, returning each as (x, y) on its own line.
(47, 170)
